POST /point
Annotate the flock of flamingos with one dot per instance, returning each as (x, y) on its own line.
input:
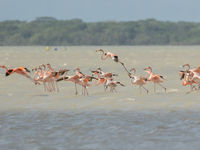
(46, 75)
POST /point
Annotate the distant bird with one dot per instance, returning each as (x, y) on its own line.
(155, 78)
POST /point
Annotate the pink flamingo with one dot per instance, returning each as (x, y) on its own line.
(114, 57)
(155, 78)
(140, 81)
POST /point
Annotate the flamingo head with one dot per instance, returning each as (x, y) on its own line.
(4, 67)
(95, 72)
(43, 65)
(147, 69)
(63, 71)
(181, 74)
(48, 65)
(186, 65)
(34, 69)
(77, 69)
(90, 78)
(39, 68)
(100, 50)
(133, 69)
(120, 83)
(99, 69)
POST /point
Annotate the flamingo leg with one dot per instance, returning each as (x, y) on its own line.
(140, 90)
(82, 91)
(115, 90)
(86, 90)
(76, 92)
(163, 87)
(57, 87)
(125, 68)
(145, 89)
(111, 89)
(45, 87)
(191, 89)
(154, 87)
(53, 85)
(49, 86)
(104, 86)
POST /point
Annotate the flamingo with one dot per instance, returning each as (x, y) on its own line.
(56, 75)
(100, 80)
(103, 77)
(84, 81)
(19, 70)
(78, 72)
(44, 76)
(48, 76)
(74, 79)
(53, 75)
(106, 75)
(113, 84)
(186, 78)
(190, 77)
(155, 78)
(80, 75)
(114, 57)
(140, 81)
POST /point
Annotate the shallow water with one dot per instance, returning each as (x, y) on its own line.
(33, 119)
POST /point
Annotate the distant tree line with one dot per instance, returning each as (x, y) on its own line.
(50, 31)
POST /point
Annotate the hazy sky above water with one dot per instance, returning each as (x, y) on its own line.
(101, 10)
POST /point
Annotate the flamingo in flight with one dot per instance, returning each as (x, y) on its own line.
(19, 70)
(114, 57)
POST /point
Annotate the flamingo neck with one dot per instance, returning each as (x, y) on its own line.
(4, 67)
(149, 72)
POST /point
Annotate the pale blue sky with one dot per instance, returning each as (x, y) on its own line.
(101, 10)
